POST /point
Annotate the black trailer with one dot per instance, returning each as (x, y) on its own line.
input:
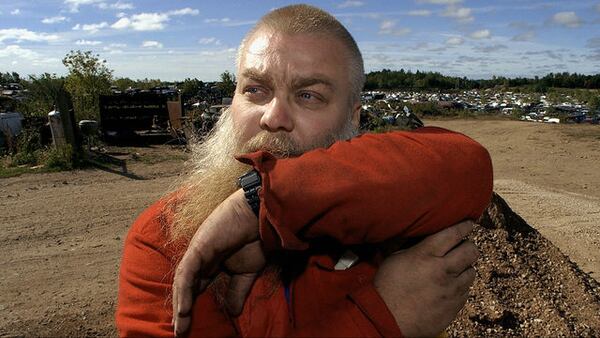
(126, 115)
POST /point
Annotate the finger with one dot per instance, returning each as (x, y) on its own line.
(181, 320)
(184, 285)
(239, 288)
(460, 258)
(440, 243)
(464, 281)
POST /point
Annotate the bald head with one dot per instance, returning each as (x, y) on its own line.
(305, 19)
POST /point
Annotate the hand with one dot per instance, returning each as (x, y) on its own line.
(426, 285)
(230, 235)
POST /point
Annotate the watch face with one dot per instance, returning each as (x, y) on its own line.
(249, 179)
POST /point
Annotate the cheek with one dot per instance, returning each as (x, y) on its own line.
(309, 130)
(245, 122)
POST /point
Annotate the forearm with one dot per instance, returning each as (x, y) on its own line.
(373, 187)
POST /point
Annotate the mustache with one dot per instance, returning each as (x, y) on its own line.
(279, 144)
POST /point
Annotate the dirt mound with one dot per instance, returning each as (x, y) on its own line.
(525, 286)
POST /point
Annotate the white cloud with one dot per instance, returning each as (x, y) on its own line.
(152, 44)
(230, 51)
(455, 41)
(209, 41)
(122, 23)
(142, 22)
(525, 36)
(24, 54)
(481, 34)
(184, 11)
(567, 19)
(350, 3)
(20, 34)
(87, 42)
(117, 5)
(461, 14)
(74, 4)
(150, 21)
(214, 20)
(420, 12)
(92, 28)
(441, 2)
(121, 14)
(14, 50)
(54, 19)
(15, 12)
(114, 48)
(389, 27)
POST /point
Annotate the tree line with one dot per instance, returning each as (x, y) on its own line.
(387, 79)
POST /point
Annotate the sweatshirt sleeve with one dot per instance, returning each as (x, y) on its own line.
(145, 281)
(372, 188)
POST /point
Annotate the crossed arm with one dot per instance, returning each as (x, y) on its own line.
(367, 190)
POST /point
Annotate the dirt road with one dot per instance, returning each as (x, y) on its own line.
(62, 233)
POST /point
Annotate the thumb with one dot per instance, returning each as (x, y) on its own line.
(239, 288)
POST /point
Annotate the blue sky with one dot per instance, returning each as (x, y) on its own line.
(172, 40)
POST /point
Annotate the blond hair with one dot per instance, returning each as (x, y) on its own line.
(306, 19)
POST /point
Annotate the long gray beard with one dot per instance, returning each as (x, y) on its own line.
(213, 170)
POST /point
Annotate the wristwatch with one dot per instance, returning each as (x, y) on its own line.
(251, 182)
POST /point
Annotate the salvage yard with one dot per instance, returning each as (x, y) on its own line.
(62, 233)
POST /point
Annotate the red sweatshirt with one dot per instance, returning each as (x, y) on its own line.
(363, 191)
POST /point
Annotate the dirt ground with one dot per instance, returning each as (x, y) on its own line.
(62, 235)
(550, 175)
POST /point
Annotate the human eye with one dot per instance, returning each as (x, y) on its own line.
(255, 93)
(252, 90)
(310, 97)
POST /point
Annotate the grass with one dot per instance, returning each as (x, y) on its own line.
(39, 160)
(6, 172)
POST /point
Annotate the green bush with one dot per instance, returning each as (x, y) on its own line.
(26, 158)
(60, 158)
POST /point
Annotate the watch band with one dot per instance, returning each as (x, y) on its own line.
(251, 183)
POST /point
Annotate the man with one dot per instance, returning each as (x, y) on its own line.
(307, 259)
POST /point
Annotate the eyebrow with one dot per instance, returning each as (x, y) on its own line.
(257, 76)
(310, 81)
(299, 82)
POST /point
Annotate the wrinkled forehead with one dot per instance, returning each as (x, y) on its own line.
(268, 51)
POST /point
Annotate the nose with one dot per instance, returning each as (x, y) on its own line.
(277, 116)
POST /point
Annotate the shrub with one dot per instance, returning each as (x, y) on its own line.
(60, 158)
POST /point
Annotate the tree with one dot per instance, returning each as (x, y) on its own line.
(42, 94)
(88, 78)
(594, 102)
(124, 83)
(7, 78)
(191, 87)
(227, 84)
